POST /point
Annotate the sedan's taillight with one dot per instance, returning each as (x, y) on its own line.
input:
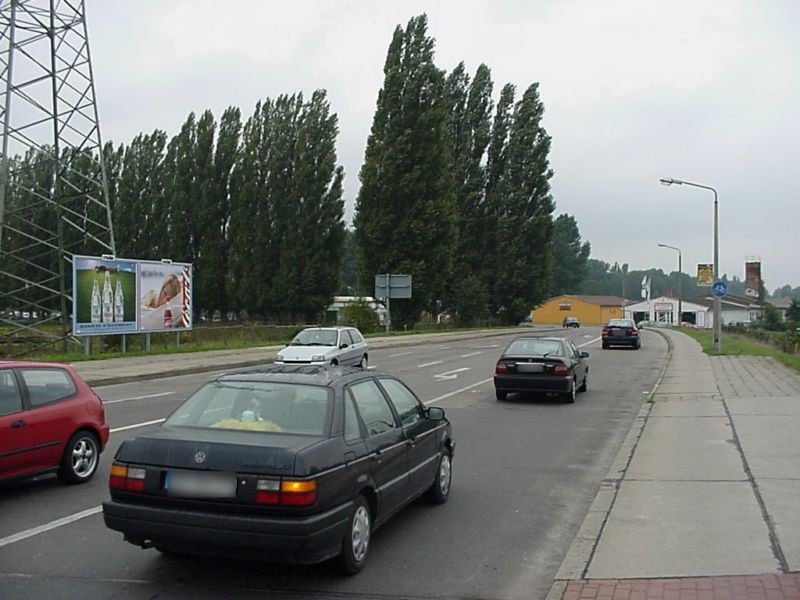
(126, 478)
(560, 369)
(501, 368)
(288, 492)
(634, 332)
(605, 331)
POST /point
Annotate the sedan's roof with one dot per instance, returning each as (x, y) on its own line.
(326, 375)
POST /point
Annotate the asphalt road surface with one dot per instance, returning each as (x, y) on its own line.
(525, 473)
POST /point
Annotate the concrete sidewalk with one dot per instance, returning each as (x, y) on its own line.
(136, 368)
(703, 500)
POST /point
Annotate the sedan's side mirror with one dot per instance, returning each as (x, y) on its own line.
(584, 355)
(342, 346)
(435, 413)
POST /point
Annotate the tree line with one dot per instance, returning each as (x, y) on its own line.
(455, 190)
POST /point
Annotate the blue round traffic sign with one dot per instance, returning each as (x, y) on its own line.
(719, 289)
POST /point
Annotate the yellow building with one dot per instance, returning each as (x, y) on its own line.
(590, 310)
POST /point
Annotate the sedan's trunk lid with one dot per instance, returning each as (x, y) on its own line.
(258, 452)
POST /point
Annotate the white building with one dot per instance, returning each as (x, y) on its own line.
(340, 302)
(664, 309)
(697, 311)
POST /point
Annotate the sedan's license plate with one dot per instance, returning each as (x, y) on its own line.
(530, 367)
(185, 484)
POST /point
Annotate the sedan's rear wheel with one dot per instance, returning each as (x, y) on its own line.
(439, 491)
(585, 384)
(363, 363)
(569, 397)
(500, 395)
(80, 459)
(355, 544)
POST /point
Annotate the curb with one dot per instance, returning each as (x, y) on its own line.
(581, 551)
(270, 351)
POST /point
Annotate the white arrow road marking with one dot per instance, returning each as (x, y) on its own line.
(23, 535)
(430, 364)
(138, 398)
(470, 354)
(451, 374)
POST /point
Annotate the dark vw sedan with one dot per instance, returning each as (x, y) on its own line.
(284, 464)
(621, 332)
(545, 365)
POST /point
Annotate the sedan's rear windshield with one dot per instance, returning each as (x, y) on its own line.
(620, 323)
(533, 347)
(256, 406)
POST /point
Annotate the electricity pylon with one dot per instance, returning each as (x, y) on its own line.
(54, 200)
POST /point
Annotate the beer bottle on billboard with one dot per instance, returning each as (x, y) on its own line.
(96, 318)
(108, 302)
(119, 302)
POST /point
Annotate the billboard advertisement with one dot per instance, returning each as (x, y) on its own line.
(705, 274)
(104, 296)
(165, 301)
(113, 296)
(752, 279)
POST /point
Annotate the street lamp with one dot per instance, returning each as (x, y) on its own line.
(680, 271)
(717, 299)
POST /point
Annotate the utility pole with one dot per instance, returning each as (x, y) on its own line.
(54, 199)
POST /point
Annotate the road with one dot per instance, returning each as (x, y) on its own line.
(525, 473)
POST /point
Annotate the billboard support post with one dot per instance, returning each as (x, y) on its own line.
(147, 342)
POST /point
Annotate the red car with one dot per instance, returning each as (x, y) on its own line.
(50, 420)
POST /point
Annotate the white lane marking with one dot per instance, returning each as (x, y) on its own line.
(138, 397)
(471, 354)
(23, 535)
(430, 364)
(401, 354)
(489, 346)
(370, 367)
(597, 339)
(453, 393)
(136, 425)
(450, 374)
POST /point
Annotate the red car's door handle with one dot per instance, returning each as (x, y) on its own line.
(18, 424)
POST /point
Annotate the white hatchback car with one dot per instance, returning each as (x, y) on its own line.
(326, 346)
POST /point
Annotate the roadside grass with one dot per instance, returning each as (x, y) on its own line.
(734, 345)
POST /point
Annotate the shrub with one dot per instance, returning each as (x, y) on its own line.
(359, 314)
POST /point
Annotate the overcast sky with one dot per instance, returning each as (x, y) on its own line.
(702, 91)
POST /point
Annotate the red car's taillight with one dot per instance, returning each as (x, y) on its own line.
(560, 369)
(123, 477)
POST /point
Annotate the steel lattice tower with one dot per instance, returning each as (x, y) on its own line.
(54, 199)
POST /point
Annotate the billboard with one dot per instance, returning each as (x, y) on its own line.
(705, 274)
(165, 301)
(104, 296)
(752, 278)
(113, 296)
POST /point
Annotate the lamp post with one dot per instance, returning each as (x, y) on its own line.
(717, 300)
(680, 272)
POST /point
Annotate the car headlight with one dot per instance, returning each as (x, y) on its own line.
(279, 357)
(318, 358)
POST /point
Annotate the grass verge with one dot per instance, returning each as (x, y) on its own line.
(734, 345)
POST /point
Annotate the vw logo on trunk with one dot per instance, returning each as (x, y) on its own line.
(200, 457)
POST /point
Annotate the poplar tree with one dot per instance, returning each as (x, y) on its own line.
(470, 126)
(405, 218)
(570, 256)
(525, 223)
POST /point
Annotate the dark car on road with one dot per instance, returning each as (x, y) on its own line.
(284, 464)
(550, 365)
(50, 421)
(621, 332)
(571, 322)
